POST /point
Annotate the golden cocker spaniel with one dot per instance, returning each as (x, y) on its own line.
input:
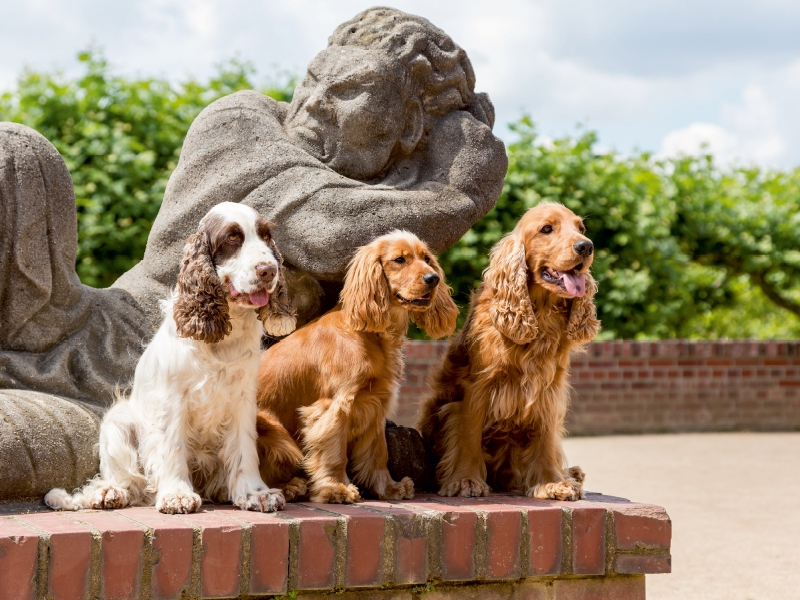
(495, 419)
(330, 385)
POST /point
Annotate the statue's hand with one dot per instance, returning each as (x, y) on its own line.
(482, 109)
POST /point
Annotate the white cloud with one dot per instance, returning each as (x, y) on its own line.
(701, 138)
(655, 76)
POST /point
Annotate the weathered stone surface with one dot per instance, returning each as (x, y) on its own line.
(407, 457)
(385, 132)
(45, 442)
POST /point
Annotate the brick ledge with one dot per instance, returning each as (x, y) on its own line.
(222, 552)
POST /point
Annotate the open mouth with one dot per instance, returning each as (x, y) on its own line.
(421, 301)
(257, 298)
(571, 281)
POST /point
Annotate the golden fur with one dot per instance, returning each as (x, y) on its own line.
(330, 385)
(497, 412)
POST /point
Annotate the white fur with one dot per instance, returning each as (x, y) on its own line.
(188, 428)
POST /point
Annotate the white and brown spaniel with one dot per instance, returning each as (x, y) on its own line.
(188, 428)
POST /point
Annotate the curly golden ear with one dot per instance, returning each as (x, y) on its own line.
(365, 295)
(583, 324)
(278, 315)
(201, 307)
(440, 318)
(507, 276)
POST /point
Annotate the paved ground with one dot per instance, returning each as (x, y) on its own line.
(734, 499)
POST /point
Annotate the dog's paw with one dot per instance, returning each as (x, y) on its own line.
(399, 490)
(178, 503)
(296, 488)
(468, 487)
(280, 326)
(108, 497)
(263, 501)
(337, 493)
(569, 489)
(577, 474)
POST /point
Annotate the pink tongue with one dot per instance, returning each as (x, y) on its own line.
(259, 298)
(575, 284)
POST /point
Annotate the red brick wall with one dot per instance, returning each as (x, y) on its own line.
(664, 386)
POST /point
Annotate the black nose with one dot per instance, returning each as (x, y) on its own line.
(431, 279)
(584, 247)
(265, 271)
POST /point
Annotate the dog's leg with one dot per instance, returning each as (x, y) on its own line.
(120, 481)
(324, 431)
(369, 455)
(279, 457)
(167, 462)
(462, 470)
(542, 466)
(240, 457)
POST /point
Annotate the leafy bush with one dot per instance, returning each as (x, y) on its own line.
(684, 248)
(121, 138)
(679, 243)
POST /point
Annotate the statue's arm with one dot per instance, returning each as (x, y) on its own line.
(455, 183)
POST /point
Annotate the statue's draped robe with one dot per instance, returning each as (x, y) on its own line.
(63, 338)
(56, 335)
(237, 150)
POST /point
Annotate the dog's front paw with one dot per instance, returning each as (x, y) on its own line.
(178, 503)
(296, 488)
(263, 501)
(569, 489)
(280, 326)
(399, 490)
(468, 487)
(337, 493)
(108, 497)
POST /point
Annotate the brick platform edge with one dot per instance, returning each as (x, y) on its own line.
(657, 387)
(501, 546)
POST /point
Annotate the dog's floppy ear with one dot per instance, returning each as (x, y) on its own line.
(365, 295)
(583, 324)
(440, 318)
(507, 276)
(201, 307)
(278, 315)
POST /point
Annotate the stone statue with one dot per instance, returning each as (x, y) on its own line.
(384, 132)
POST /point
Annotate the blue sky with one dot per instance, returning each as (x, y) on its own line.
(662, 76)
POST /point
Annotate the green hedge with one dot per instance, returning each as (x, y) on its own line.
(684, 248)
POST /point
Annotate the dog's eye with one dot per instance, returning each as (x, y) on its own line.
(400, 260)
(427, 259)
(547, 229)
(233, 238)
(582, 229)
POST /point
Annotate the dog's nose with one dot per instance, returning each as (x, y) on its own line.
(584, 247)
(265, 271)
(431, 279)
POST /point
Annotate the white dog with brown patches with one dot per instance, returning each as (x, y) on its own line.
(188, 429)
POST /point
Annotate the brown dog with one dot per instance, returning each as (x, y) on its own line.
(497, 413)
(331, 384)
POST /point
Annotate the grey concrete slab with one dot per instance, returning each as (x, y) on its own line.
(734, 499)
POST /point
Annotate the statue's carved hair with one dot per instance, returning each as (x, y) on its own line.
(438, 71)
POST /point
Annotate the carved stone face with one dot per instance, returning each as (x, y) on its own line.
(348, 111)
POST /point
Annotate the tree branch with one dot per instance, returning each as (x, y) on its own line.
(770, 293)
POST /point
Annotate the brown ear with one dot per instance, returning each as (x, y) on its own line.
(278, 315)
(583, 324)
(440, 318)
(365, 295)
(201, 307)
(507, 276)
